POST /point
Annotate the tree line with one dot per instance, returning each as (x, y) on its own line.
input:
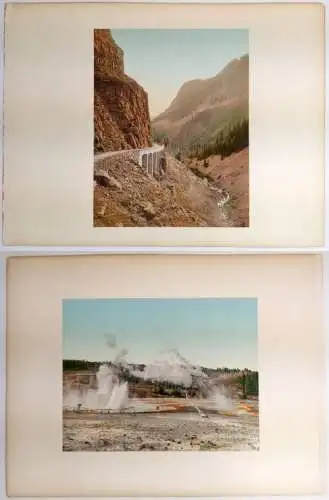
(78, 365)
(246, 380)
(248, 383)
(231, 140)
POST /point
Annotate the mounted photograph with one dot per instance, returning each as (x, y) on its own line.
(167, 366)
(185, 132)
(160, 375)
(171, 128)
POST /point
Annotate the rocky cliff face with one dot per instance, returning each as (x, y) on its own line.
(121, 112)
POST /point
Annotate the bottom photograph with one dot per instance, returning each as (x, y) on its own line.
(201, 376)
(160, 374)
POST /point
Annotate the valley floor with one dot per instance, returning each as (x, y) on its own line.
(162, 431)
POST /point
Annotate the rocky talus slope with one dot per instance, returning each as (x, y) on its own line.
(125, 195)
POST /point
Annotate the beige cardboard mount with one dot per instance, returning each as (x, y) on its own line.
(48, 136)
(291, 375)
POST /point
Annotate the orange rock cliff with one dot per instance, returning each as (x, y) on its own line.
(121, 111)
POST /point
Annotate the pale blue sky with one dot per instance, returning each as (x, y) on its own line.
(162, 60)
(208, 332)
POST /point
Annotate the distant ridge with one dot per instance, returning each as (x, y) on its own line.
(202, 108)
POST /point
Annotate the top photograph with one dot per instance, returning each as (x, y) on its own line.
(164, 125)
(171, 118)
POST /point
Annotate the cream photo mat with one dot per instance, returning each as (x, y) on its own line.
(291, 352)
(48, 113)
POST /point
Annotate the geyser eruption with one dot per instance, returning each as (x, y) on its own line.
(111, 392)
(178, 370)
(119, 397)
(163, 371)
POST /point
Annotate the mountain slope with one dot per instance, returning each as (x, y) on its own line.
(232, 175)
(204, 107)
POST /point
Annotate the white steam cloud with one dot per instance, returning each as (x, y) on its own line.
(112, 393)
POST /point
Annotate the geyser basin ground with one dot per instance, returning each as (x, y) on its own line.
(159, 426)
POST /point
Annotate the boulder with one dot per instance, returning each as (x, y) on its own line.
(104, 179)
